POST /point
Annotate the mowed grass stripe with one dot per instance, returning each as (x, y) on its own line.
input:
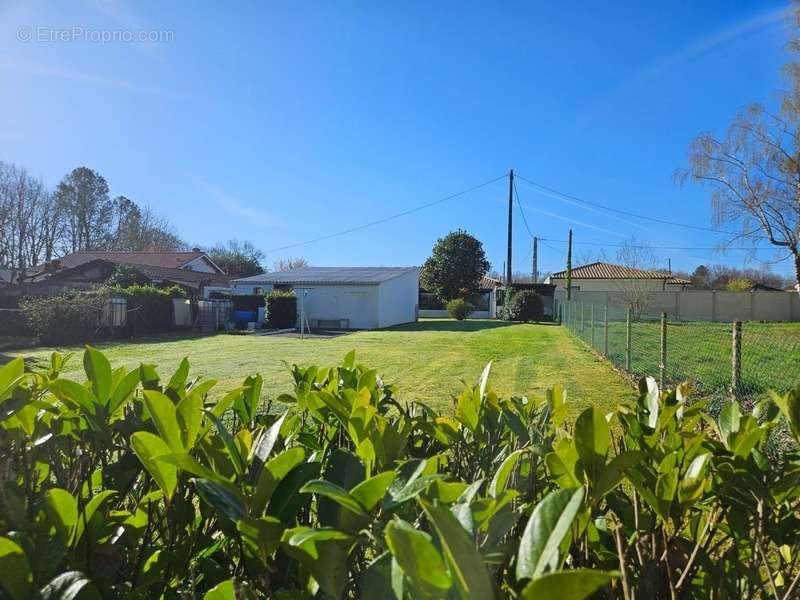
(424, 360)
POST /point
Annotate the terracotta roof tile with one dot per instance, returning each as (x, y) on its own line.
(602, 270)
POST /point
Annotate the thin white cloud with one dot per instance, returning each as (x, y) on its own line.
(691, 51)
(38, 69)
(234, 206)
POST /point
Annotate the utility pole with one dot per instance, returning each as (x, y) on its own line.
(535, 269)
(569, 267)
(669, 266)
(510, 217)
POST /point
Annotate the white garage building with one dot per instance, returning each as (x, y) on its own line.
(345, 297)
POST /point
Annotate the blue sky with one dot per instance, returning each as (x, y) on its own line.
(284, 122)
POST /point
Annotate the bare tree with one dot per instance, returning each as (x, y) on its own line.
(25, 217)
(241, 259)
(754, 169)
(636, 255)
(83, 197)
(141, 229)
(287, 264)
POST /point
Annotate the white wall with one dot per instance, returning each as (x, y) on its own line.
(244, 289)
(397, 299)
(358, 303)
(705, 305)
(199, 264)
(614, 285)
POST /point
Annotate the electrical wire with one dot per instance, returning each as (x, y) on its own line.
(654, 247)
(625, 212)
(522, 212)
(389, 218)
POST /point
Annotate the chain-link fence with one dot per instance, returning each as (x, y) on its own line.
(739, 360)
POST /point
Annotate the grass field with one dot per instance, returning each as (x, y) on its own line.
(701, 352)
(425, 360)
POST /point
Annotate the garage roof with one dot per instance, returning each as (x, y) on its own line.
(330, 276)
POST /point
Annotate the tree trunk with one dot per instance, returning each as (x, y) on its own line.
(797, 270)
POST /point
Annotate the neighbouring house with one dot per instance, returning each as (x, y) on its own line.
(484, 298)
(344, 297)
(84, 270)
(193, 260)
(607, 277)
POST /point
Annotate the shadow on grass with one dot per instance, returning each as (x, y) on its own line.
(470, 325)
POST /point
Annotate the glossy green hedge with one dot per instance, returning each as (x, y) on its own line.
(128, 485)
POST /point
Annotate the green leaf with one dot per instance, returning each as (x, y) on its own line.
(483, 382)
(71, 585)
(419, 559)
(376, 580)
(468, 407)
(224, 498)
(164, 415)
(349, 359)
(263, 447)
(322, 552)
(98, 372)
(335, 493)
(149, 448)
(500, 480)
(465, 562)
(666, 485)
(729, 421)
(549, 524)
(592, 439)
(614, 472)
(222, 591)
(271, 475)
(691, 487)
(62, 508)
(568, 585)
(370, 492)
(649, 400)
(15, 572)
(90, 509)
(11, 374)
(123, 390)
(287, 499)
(189, 413)
(230, 445)
(177, 383)
(788, 404)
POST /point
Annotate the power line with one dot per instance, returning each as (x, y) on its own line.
(655, 247)
(625, 212)
(522, 212)
(389, 218)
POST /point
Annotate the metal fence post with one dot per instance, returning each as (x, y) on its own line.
(663, 365)
(736, 359)
(591, 316)
(582, 307)
(628, 339)
(605, 330)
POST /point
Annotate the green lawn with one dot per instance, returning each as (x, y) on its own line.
(426, 360)
(700, 352)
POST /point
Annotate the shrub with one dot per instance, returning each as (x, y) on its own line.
(126, 276)
(67, 318)
(523, 305)
(281, 309)
(459, 309)
(13, 323)
(149, 308)
(738, 284)
(251, 302)
(134, 485)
